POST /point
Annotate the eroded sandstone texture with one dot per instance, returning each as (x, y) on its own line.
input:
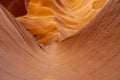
(73, 43)
(55, 20)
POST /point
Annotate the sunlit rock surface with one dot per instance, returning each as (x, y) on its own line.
(87, 52)
(55, 20)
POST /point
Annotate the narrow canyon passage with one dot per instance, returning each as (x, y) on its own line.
(91, 53)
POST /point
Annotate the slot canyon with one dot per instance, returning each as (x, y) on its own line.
(59, 39)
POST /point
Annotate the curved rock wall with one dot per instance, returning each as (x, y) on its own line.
(90, 54)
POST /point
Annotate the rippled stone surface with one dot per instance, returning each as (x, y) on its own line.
(93, 53)
(55, 20)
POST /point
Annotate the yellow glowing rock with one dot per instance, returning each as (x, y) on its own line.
(54, 20)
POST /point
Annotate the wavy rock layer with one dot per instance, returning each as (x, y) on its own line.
(55, 20)
(90, 54)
